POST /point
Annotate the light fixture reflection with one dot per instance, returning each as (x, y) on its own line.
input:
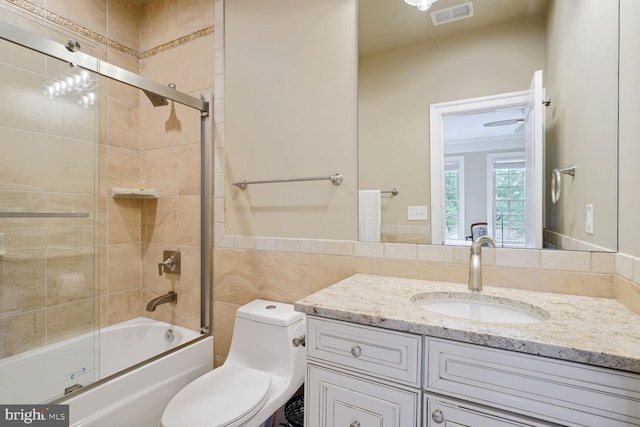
(422, 5)
(77, 84)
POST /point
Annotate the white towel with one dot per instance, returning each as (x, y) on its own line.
(369, 215)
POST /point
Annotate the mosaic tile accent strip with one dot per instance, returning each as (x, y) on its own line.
(99, 38)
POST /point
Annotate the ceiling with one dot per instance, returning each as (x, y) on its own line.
(387, 24)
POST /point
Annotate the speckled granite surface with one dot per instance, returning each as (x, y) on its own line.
(596, 331)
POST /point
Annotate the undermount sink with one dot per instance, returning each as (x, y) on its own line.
(480, 307)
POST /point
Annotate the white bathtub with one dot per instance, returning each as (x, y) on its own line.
(136, 398)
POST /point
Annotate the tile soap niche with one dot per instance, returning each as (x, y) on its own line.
(134, 193)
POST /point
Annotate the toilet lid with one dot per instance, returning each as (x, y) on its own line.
(225, 396)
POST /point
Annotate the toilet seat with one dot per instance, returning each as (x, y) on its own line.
(224, 397)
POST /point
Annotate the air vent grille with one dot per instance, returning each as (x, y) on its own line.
(451, 14)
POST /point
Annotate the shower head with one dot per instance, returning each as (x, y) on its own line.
(156, 100)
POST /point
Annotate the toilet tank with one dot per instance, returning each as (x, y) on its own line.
(262, 337)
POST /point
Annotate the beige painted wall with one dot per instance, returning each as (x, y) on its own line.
(397, 86)
(629, 231)
(290, 111)
(581, 79)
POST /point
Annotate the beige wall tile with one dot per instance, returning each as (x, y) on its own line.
(194, 15)
(27, 109)
(92, 14)
(188, 311)
(509, 277)
(69, 320)
(123, 168)
(325, 270)
(235, 275)
(22, 282)
(189, 220)
(627, 293)
(123, 124)
(189, 170)
(124, 306)
(70, 275)
(525, 258)
(124, 267)
(282, 276)
(575, 283)
(124, 220)
(435, 253)
(408, 269)
(339, 247)
(400, 251)
(189, 279)
(161, 170)
(159, 23)
(22, 332)
(123, 18)
(565, 260)
(162, 221)
(23, 162)
(168, 126)
(223, 320)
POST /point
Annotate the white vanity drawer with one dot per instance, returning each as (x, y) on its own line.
(384, 354)
(334, 399)
(569, 393)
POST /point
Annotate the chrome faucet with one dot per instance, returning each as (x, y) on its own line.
(475, 266)
(169, 297)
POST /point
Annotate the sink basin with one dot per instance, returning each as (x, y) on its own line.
(480, 307)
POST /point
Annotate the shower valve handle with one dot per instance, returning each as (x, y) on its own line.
(166, 263)
(171, 263)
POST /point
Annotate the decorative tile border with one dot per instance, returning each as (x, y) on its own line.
(92, 35)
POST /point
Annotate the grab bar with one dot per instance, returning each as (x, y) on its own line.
(393, 192)
(72, 214)
(556, 181)
(336, 179)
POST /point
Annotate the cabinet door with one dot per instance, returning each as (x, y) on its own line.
(441, 412)
(335, 399)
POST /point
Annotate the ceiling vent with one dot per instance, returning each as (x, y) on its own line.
(451, 14)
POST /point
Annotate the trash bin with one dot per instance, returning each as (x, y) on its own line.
(294, 411)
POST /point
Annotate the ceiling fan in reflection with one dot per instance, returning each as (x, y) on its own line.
(507, 122)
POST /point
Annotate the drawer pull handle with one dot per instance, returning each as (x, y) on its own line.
(355, 424)
(437, 416)
(356, 351)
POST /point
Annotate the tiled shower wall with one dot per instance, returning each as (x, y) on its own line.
(167, 41)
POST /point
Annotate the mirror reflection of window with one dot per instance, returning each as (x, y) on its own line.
(454, 195)
(506, 218)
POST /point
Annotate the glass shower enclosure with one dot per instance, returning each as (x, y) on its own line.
(57, 212)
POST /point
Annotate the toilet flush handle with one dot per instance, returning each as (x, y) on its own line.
(300, 341)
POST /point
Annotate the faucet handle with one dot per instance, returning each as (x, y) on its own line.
(171, 263)
(166, 263)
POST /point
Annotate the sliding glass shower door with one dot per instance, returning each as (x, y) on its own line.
(49, 121)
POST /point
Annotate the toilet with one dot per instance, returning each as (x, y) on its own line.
(262, 371)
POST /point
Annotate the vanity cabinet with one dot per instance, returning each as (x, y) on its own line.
(359, 376)
(550, 390)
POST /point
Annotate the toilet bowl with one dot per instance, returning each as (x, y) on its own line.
(262, 371)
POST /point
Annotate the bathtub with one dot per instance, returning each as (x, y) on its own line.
(135, 398)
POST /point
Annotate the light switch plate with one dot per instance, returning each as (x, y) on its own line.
(589, 218)
(417, 213)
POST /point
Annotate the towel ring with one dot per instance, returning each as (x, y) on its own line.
(556, 181)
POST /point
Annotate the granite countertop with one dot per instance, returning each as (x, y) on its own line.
(595, 331)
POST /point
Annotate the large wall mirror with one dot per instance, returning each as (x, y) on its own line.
(457, 59)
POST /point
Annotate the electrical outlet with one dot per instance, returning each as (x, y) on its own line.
(589, 218)
(417, 213)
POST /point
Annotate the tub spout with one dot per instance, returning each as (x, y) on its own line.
(169, 297)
